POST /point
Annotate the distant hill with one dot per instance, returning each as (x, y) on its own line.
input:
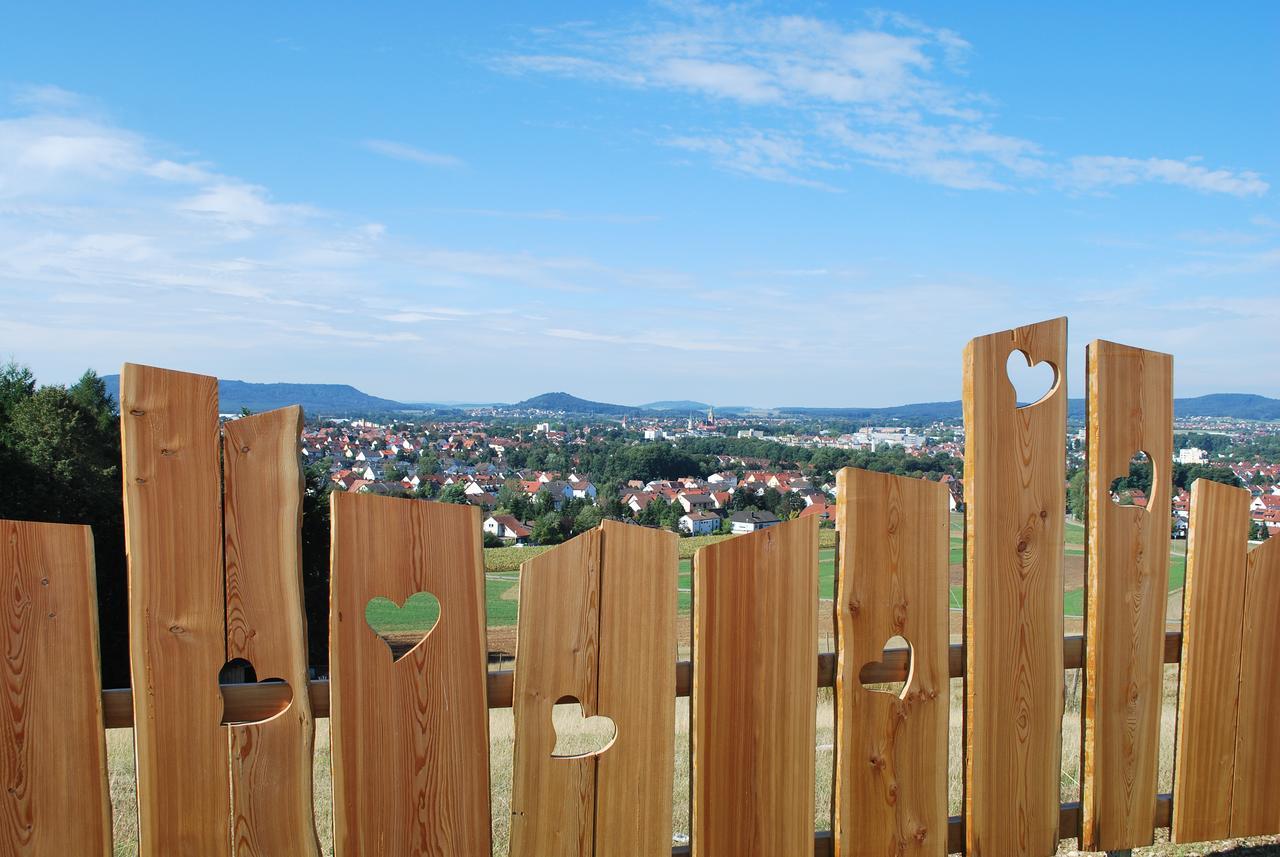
(344, 400)
(677, 405)
(1245, 406)
(569, 404)
(315, 399)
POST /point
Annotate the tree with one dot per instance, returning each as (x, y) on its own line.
(455, 493)
(1078, 494)
(587, 519)
(546, 529)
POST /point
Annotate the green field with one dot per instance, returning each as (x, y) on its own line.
(502, 575)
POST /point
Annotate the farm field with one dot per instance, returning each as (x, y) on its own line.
(502, 585)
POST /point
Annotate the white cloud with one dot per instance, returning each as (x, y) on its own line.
(889, 94)
(405, 152)
(1104, 171)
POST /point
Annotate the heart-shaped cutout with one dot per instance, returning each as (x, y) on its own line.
(403, 628)
(875, 675)
(578, 736)
(238, 674)
(1134, 489)
(1031, 382)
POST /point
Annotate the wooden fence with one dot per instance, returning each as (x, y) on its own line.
(212, 520)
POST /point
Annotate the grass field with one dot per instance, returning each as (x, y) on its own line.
(502, 578)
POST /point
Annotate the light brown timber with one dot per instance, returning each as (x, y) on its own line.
(1130, 410)
(53, 754)
(1015, 506)
(891, 762)
(1255, 796)
(271, 761)
(410, 738)
(177, 619)
(1208, 691)
(754, 669)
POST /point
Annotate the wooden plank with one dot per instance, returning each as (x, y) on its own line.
(578, 637)
(177, 623)
(891, 760)
(1130, 411)
(271, 761)
(1255, 796)
(1015, 501)
(410, 738)
(1213, 604)
(755, 665)
(637, 689)
(53, 756)
(558, 649)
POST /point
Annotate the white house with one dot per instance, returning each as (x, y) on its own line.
(750, 520)
(700, 523)
(506, 527)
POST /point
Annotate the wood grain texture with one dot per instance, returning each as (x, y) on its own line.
(53, 754)
(1015, 502)
(177, 623)
(755, 665)
(1130, 406)
(271, 761)
(579, 636)
(891, 762)
(637, 688)
(558, 651)
(1208, 691)
(1255, 795)
(410, 738)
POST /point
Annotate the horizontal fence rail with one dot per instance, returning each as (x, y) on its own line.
(256, 701)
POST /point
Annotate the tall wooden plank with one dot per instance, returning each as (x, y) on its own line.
(177, 623)
(755, 667)
(579, 637)
(53, 753)
(558, 653)
(637, 688)
(1208, 692)
(1130, 411)
(1255, 796)
(271, 761)
(891, 765)
(1015, 503)
(410, 738)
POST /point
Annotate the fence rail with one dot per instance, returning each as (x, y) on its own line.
(245, 702)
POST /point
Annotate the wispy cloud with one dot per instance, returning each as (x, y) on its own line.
(812, 94)
(405, 152)
(1089, 172)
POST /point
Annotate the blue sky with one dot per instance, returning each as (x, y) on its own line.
(809, 204)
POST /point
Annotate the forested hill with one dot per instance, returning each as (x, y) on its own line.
(345, 400)
(315, 399)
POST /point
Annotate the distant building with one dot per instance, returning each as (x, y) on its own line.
(506, 527)
(750, 520)
(1192, 455)
(700, 523)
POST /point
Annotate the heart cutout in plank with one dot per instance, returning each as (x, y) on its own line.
(403, 628)
(874, 674)
(235, 677)
(1032, 382)
(577, 736)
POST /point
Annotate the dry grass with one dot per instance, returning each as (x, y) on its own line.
(501, 731)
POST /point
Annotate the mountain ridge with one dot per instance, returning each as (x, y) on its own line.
(344, 399)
